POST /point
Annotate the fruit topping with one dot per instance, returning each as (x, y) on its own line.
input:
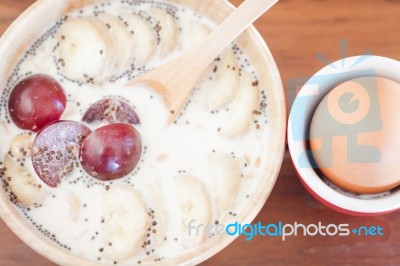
(55, 150)
(111, 152)
(36, 101)
(111, 110)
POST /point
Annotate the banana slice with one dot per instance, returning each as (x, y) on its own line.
(167, 28)
(193, 33)
(125, 222)
(225, 85)
(144, 40)
(21, 146)
(122, 42)
(195, 207)
(86, 49)
(226, 175)
(28, 189)
(240, 115)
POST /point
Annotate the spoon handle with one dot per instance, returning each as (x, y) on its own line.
(174, 80)
(231, 27)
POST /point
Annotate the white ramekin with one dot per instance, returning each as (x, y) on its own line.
(301, 113)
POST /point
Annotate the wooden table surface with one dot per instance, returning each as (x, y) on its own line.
(295, 31)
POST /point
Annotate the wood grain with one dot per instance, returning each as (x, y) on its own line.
(295, 31)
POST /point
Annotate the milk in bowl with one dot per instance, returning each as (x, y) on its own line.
(91, 166)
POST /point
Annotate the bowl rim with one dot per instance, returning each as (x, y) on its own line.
(278, 101)
(315, 89)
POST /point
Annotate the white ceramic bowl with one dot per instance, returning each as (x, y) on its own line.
(300, 117)
(30, 25)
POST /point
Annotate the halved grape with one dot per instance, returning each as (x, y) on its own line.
(56, 148)
(111, 152)
(36, 101)
(111, 110)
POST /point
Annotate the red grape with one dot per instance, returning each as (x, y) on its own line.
(111, 151)
(36, 101)
(111, 110)
(56, 148)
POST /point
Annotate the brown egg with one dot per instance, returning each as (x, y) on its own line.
(355, 135)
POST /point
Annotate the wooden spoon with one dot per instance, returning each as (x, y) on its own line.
(176, 79)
